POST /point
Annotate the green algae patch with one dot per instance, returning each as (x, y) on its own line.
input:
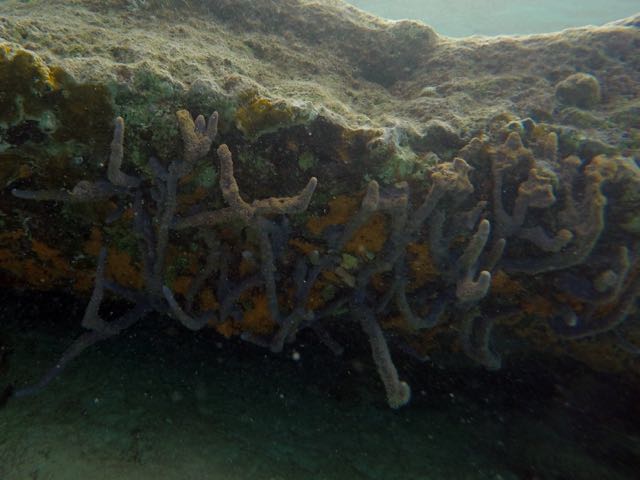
(56, 105)
(25, 82)
(258, 115)
(49, 123)
(306, 161)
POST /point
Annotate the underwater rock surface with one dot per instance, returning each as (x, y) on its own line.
(478, 195)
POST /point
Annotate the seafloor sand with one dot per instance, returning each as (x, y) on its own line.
(167, 406)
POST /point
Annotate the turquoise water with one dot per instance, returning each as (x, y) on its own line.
(460, 18)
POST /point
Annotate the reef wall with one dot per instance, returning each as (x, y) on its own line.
(480, 195)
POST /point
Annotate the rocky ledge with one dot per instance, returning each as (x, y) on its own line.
(473, 192)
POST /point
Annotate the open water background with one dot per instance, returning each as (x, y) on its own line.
(460, 18)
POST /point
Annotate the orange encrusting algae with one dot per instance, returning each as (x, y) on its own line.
(421, 264)
(341, 210)
(120, 265)
(43, 270)
(256, 318)
(369, 238)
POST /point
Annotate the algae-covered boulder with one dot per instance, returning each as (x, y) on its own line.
(579, 90)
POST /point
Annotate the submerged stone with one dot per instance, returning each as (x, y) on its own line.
(579, 90)
(423, 234)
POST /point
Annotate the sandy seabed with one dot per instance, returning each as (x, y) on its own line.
(164, 404)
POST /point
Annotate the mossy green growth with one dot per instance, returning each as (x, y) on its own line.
(206, 176)
(123, 238)
(154, 85)
(580, 90)
(181, 264)
(64, 109)
(568, 141)
(580, 118)
(627, 195)
(349, 262)
(258, 115)
(258, 165)
(403, 165)
(306, 161)
(148, 107)
(328, 293)
(633, 225)
(24, 82)
(634, 139)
